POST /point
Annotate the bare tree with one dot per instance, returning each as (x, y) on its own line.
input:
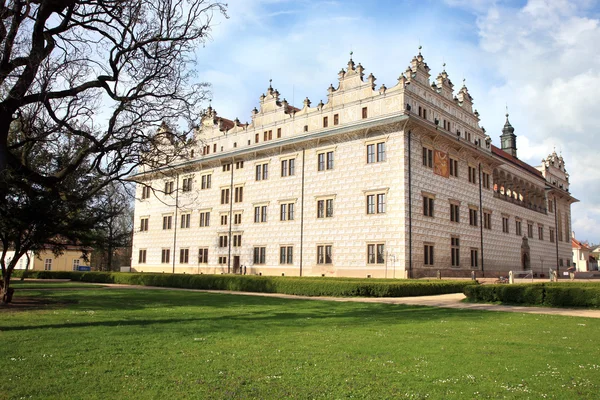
(84, 88)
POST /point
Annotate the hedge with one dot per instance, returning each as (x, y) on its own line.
(563, 294)
(309, 286)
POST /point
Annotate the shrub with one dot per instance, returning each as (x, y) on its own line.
(309, 286)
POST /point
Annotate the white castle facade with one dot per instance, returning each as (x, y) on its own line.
(380, 182)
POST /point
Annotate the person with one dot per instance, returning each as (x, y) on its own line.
(244, 270)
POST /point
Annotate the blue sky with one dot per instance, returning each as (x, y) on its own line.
(539, 57)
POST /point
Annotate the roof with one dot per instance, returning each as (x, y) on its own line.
(515, 161)
(576, 244)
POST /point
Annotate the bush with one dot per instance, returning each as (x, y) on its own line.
(309, 286)
(563, 294)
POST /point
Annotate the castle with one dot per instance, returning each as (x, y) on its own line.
(376, 182)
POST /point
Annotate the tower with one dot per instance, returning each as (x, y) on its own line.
(509, 139)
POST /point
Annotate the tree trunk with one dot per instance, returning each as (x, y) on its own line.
(26, 267)
(5, 290)
(109, 256)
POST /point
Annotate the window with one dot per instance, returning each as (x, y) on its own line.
(375, 253)
(206, 181)
(185, 220)
(552, 235)
(237, 218)
(226, 167)
(530, 230)
(143, 224)
(427, 157)
(223, 240)
(454, 168)
(262, 172)
(260, 214)
(203, 256)
(485, 178)
(259, 255)
(336, 119)
(541, 232)
(487, 220)
(376, 203)
(427, 206)
(214, 148)
(550, 206)
(239, 165)
(205, 218)
(270, 135)
(454, 212)
(288, 167)
(305, 128)
(167, 221)
(278, 133)
(455, 251)
(165, 256)
(472, 174)
(141, 260)
(375, 152)
(222, 260)
(474, 258)
(76, 265)
(146, 192)
(422, 112)
(187, 184)
(184, 256)
(505, 224)
(428, 254)
(265, 136)
(325, 208)
(518, 227)
(286, 255)
(206, 150)
(223, 219)
(256, 138)
(238, 194)
(324, 254)
(237, 240)
(224, 196)
(325, 161)
(169, 187)
(472, 217)
(286, 212)
(325, 122)
(364, 112)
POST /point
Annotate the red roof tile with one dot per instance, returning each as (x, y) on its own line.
(515, 161)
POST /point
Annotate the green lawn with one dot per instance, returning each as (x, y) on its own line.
(117, 343)
(18, 284)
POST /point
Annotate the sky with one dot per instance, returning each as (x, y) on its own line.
(538, 58)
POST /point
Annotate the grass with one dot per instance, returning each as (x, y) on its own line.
(133, 343)
(18, 284)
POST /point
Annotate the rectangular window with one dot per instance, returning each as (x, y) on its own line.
(288, 167)
(375, 253)
(270, 135)
(474, 258)
(472, 174)
(143, 224)
(330, 160)
(222, 260)
(224, 196)
(552, 235)
(375, 152)
(260, 214)
(427, 206)
(485, 177)
(505, 224)
(185, 220)
(259, 255)
(454, 168)
(238, 194)
(550, 206)
(454, 213)
(223, 219)
(370, 153)
(141, 260)
(187, 184)
(256, 138)
(278, 133)
(376, 203)
(473, 217)
(203, 256)
(455, 251)
(165, 256)
(518, 228)
(167, 221)
(325, 122)
(364, 112)
(428, 254)
(325, 208)
(239, 164)
(237, 218)
(205, 218)
(286, 212)
(76, 265)
(48, 261)
(487, 220)
(336, 119)
(286, 255)
(529, 230)
(145, 192)
(324, 254)
(223, 240)
(169, 187)
(541, 232)
(265, 136)
(237, 240)
(262, 172)
(206, 181)
(226, 167)
(184, 256)
(427, 157)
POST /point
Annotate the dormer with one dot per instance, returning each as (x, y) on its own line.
(418, 70)
(352, 77)
(464, 99)
(444, 85)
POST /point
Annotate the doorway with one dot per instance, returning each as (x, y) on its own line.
(236, 264)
